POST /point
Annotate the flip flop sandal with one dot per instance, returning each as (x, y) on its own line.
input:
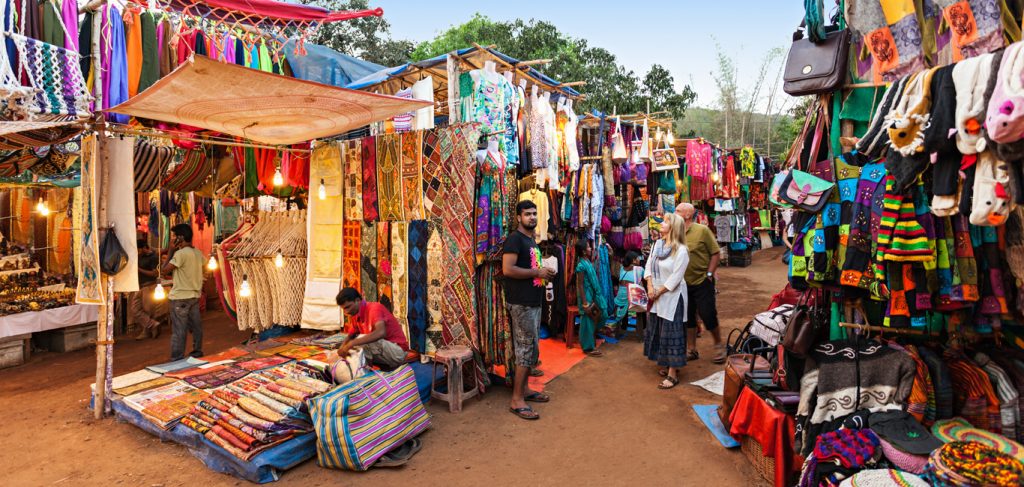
(399, 456)
(692, 355)
(536, 373)
(595, 353)
(524, 413)
(671, 380)
(663, 373)
(537, 397)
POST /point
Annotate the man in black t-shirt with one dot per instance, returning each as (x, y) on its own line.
(143, 317)
(525, 279)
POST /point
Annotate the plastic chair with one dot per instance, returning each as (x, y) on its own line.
(453, 360)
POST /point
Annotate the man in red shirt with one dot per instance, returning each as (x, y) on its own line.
(373, 328)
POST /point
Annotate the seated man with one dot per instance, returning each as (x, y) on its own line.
(372, 327)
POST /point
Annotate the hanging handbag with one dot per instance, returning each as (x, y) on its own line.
(640, 174)
(814, 68)
(776, 189)
(805, 191)
(645, 145)
(637, 297)
(619, 152)
(388, 400)
(113, 258)
(805, 326)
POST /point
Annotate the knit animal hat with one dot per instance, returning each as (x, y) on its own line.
(992, 203)
(883, 478)
(970, 77)
(876, 139)
(1005, 119)
(909, 116)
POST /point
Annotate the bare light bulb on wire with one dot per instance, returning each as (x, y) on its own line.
(244, 290)
(212, 264)
(321, 192)
(158, 292)
(278, 178)
(657, 135)
(714, 177)
(279, 260)
(41, 207)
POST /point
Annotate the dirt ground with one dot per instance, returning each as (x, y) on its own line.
(607, 423)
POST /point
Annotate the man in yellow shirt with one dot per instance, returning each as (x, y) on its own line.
(700, 283)
(185, 264)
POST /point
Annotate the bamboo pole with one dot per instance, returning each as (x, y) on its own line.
(453, 87)
(885, 329)
(533, 62)
(102, 350)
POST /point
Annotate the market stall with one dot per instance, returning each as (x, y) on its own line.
(902, 359)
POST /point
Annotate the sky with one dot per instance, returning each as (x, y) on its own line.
(680, 35)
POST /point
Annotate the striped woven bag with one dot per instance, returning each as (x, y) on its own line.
(190, 173)
(359, 422)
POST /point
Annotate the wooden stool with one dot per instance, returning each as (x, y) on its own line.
(570, 326)
(453, 359)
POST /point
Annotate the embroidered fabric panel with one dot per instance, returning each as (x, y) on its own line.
(435, 291)
(369, 161)
(384, 290)
(412, 175)
(325, 216)
(353, 162)
(389, 184)
(351, 262)
(399, 278)
(88, 262)
(368, 261)
(417, 284)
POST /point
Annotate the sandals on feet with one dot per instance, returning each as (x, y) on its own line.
(536, 372)
(537, 397)
(692, 355)
(720, 354)
(526, 413)
(594, 353)
(663, 372)
(672, 381)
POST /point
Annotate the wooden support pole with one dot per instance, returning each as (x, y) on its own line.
(453, 88)
(885, 329)
(572, 83)
(533, 62)
(102, 349)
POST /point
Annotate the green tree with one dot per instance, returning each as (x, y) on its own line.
(367, 38)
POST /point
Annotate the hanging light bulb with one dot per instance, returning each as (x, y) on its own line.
(158, 292)
(244, 291)
(278, 178)
(322, 191)
(41, 207)
(671, 138)
(715, 177)
(279, 260)
(657, 135)
(212, 264)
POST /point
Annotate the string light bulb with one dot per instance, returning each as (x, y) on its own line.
(212, 264)
(321, 192)
(244, 290)
(158, 292)
(41, 207)
(657, 135)
(278, 178)
(715, 177)
(279, 260)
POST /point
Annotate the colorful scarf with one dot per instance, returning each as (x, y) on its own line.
(385, 293)
(389, 177)
(89, 289)
(399, 273)
(436, 276)
(350, 263)
(353, 180)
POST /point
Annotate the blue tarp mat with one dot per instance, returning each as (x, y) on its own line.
(423, 379)
(263, 468)
(324, 65)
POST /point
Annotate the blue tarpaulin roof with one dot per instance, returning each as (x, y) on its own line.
(324, 65)
(395, 72)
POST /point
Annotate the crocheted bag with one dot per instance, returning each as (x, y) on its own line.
(55, 77)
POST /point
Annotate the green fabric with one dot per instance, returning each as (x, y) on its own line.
(53, 30)
(252, 180)
(265, 63)
(150, 52)
(592, 291)
(836, 332)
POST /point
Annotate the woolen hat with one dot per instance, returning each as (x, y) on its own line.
(901, 430)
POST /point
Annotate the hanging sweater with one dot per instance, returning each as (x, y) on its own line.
(829, 389)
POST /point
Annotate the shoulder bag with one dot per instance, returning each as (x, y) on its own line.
(805, 191)
(815, 68)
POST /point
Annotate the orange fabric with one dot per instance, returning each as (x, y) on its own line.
(133, 42)
(555, 360)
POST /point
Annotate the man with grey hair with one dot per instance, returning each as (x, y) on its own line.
(700, 282)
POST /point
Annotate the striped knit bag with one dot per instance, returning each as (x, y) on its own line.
(151, 163)
(190, 173)
(360, 421)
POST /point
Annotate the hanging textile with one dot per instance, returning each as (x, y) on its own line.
(117, 154)
(369, 160)
(54, 75)
(417, 285)
(151, 163)
(350, 272)
(113, 62)
(190, 174)
(385, 293)
(325, 237)
(399, 277)
(133, 50)
(150, 71)
(368, 261)
(434, 336)
(389, 176)
(353, 180)
(435, 149)
(412, 175)
(88, 262)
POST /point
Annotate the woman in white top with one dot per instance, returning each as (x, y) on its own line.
(665, 339)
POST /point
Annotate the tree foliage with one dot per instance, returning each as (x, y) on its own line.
(610, 86)
(367, 38)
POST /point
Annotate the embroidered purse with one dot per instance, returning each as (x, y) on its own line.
(773, 195)
(805, 191)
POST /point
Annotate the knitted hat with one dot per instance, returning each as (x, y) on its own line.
(970, 77)
(903, 431)
(876, 139)
(909, 115)
(904, 461)
(1015, 242)
(958, 429)
(883, 478)
(992, 203)
(938, 137)
(970, 463)
(851, 448)
(1005, 119)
